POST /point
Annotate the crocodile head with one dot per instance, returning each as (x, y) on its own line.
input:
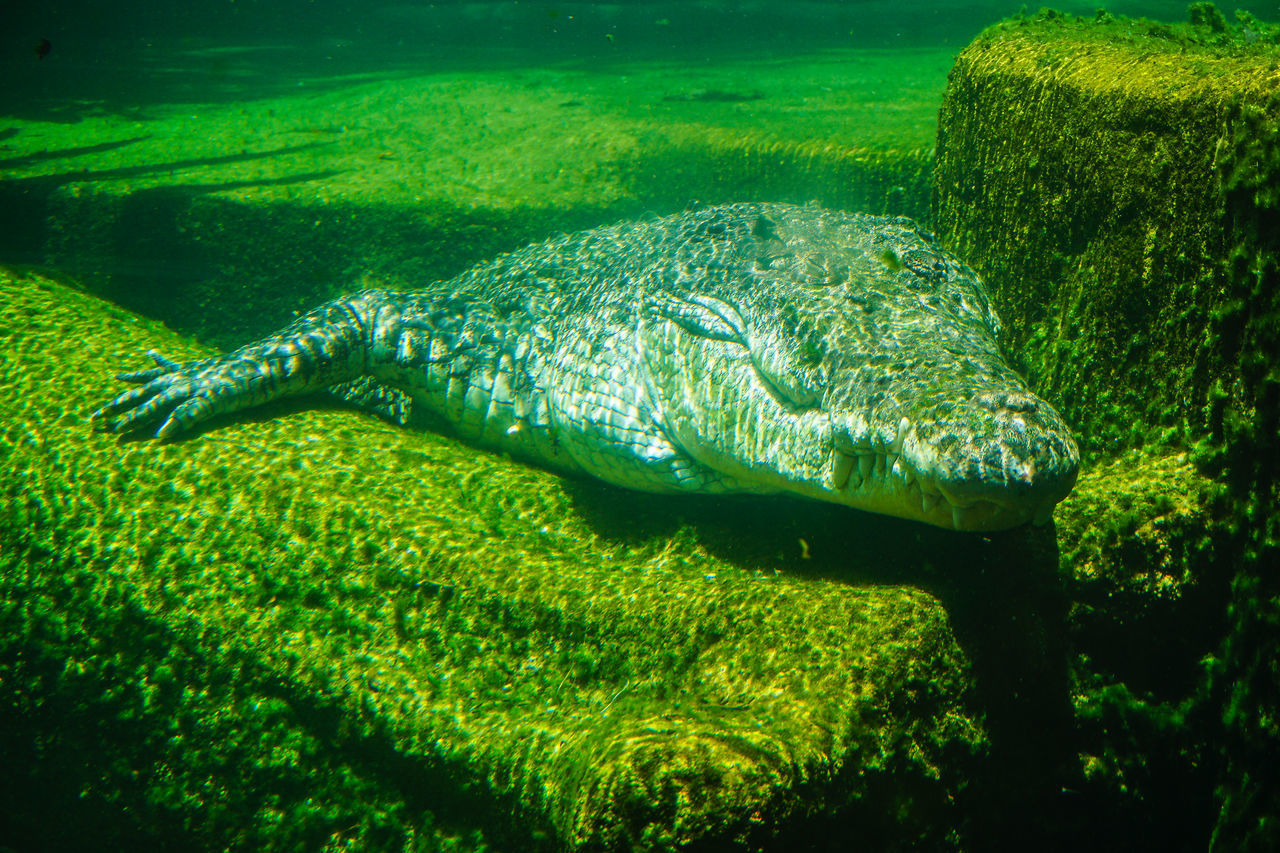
(856, 363)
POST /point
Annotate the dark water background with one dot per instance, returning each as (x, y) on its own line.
(227, 49)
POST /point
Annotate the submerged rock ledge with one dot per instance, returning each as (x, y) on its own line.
(317, 629)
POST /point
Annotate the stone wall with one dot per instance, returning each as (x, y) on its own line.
(1116, 182)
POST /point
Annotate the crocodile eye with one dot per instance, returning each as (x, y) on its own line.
(704, 316)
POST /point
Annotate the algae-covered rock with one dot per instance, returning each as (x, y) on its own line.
(1087, 169)
(315, 630)
(1148, 576)
(1116, 183)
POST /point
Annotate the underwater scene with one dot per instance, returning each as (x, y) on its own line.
(710, 425)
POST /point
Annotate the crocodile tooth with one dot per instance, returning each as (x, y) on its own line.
(841, 470)
(908, 476)
(928, 502)
(866, 465)
(958, 514)
(901, 435)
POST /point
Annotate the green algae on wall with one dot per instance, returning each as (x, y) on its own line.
(1080, 167)
(316, 630)
(1148, 575)
(1115, 180)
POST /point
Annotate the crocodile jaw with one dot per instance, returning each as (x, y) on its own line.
(900, 481)
(975, 467)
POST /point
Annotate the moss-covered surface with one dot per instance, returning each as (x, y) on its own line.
(223, 218)
(1081, 169)
(1115, 181)
(1148, 577)
(316, 630)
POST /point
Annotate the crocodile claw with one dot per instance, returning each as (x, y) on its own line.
(178, 395)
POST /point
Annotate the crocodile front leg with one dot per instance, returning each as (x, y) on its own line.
(324, 347)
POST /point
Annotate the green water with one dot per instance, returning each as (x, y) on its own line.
(307, 629)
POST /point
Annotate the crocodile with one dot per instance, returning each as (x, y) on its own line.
(742, 348)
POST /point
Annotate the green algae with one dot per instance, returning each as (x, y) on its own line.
(314, 629)
(1206, 32)
(1149, 575)
(1104, 240)
(1115, 182)
(1242, 450)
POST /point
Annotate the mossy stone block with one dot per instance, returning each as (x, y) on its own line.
(313, 629)
(1086, 168)
(1116, 183)
(1148, 572)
